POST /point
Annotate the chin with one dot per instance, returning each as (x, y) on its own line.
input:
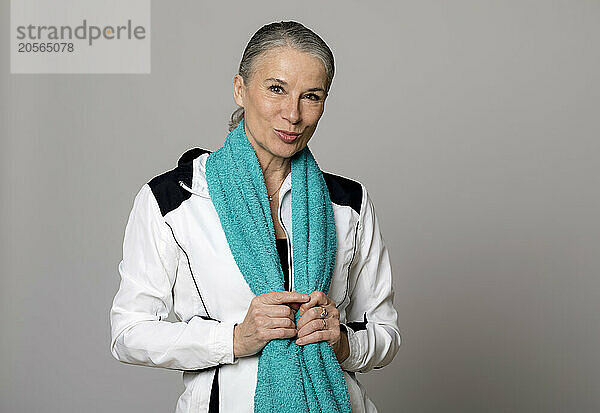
(286, 154)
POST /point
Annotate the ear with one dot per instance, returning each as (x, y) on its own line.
(238, 90)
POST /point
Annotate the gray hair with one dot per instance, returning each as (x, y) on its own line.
(277, 34)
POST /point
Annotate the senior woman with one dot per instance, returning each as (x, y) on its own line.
(275, 270)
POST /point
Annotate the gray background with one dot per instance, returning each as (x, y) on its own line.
(474, 125)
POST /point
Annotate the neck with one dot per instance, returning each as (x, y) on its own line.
(274, 170)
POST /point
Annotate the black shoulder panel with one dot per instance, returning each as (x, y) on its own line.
(344, 191)
(165, 186)
(191, 154)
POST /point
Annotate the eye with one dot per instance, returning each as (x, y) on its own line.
(275, 88)
(313, 96)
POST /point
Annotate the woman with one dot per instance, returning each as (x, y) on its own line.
(276, 271)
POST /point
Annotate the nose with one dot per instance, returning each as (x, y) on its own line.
(291, 109)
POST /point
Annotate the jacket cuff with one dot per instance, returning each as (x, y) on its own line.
(223, 343)
(354, 344)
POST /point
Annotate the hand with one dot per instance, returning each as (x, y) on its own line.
(267, 318)
(311, 328)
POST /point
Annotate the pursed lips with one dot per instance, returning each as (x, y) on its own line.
(286, 136)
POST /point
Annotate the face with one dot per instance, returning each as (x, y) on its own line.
(286, 93)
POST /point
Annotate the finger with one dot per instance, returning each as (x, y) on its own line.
(308, 316)
(321, 335)
(305, 319)
(314, 325)
(315, 313)
(316, 298)
(273, 323)
(274, 333)
(281, 310)
(282, 297)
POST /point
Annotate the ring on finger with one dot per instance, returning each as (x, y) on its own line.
(324, 323)
(323, 312)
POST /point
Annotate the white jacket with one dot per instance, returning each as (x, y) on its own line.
(176, 256)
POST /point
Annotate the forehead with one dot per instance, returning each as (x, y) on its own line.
(290, 65)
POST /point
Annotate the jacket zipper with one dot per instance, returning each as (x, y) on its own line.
(290, 262)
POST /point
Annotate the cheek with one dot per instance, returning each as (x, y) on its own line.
(313, 112)
(304, 142)
(267, 107)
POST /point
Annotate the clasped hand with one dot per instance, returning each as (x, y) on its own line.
(272, 315)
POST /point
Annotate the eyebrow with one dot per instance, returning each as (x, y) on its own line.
(274, 79)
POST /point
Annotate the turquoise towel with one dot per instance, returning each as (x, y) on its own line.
(290, 378)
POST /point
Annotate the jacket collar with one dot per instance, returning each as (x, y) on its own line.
(191, 175)
(191, 171)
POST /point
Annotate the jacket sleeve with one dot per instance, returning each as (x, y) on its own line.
(372, 329)
(139, 334)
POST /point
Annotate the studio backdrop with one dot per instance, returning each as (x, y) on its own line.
(474, 125)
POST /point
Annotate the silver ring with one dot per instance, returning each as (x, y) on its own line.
(323, 312)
